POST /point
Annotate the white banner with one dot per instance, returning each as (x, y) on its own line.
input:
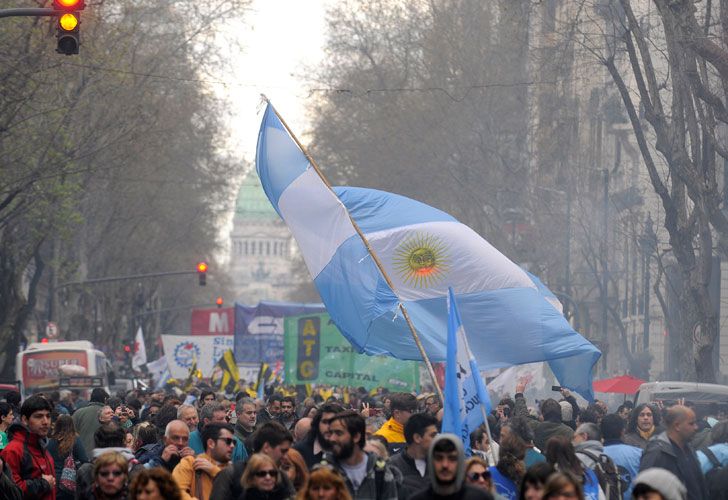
(157, 368)
(182, 350)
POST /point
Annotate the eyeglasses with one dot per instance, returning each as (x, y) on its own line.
(227, 441)
(107, 473)
(262, 473)
(474, 476)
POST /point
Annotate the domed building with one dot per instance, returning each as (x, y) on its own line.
(262, 248)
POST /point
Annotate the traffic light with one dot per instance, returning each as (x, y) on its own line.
(127, 348)
(202, 273)
(219, 302)
(67, 25)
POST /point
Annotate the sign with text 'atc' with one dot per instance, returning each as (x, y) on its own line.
(316, 352)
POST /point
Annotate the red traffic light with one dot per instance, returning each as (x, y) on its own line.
(44, 340)
(69, 5)
(202, 267)
(219, 302)
(127, 348)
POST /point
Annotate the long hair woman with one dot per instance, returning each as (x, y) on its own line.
(154, 484)
(508, 473)
(561, 454)
(68, 454)
(293, 464)
(324, 484)
(562, 485)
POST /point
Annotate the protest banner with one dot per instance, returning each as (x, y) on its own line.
(316, 352)
(212, 321)
(182, 350)
(259, 330)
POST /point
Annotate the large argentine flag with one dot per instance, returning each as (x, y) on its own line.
(507, 317)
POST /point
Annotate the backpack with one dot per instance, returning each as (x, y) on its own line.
(68, 475)
(716, 479)
(612, 478)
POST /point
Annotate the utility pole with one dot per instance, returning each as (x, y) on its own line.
(605, 268)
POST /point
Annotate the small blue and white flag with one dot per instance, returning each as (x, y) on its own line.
(465, 393)
(507, 316)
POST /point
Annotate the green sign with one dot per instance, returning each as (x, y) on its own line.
(317, 353)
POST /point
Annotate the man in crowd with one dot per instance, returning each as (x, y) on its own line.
(30, 464)
(419, 432)
(316, 443)
(107, 438)
(446, 463)
(86, 419)
(671, 450)
(213, 412)
(624, 456)
(188, 414)
(272, 409)
(587, 442)
(195, 474)
(287, 416)
(402, 406)
(551, 425)
(173, 447)
(367, 476)
(246, 420)
(301, 429)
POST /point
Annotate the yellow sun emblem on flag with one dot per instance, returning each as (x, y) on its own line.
(421, 260)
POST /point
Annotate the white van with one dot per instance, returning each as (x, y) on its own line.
(671, 392)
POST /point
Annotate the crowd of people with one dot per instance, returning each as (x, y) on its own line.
(206, 445)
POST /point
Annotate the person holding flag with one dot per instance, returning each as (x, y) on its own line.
(466, 399)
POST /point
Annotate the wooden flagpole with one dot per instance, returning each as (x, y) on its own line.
(405, 314)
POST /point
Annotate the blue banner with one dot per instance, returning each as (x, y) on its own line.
(259, 329)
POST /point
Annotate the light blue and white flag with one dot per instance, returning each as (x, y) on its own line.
(464, 389)
(508, 319)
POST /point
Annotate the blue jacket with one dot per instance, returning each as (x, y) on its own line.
(720, 451)
(626, 456)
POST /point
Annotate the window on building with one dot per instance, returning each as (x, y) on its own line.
(267, 247)
(245, 247)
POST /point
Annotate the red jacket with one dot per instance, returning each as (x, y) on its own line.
(28, 460)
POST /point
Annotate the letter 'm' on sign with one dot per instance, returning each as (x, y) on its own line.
(309, 347)
(219, 323)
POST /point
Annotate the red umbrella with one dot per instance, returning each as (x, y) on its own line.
(626, 384)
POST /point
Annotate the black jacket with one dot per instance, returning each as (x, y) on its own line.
(467, 492)
(412, 480)
(664, 453)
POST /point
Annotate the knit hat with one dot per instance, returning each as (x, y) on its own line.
(662, 481)
(566, 411)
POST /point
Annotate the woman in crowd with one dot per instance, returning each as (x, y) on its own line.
(154, 484)
(261, 480)
(560, 453)
(110, 478)
(562, 485)
(293, 464)
(324, 484)
(534, 481)
(508, 473)
(644, 422)
(6, 418)
(68, 454)
(478, 475)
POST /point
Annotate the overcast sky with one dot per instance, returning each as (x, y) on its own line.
(281, 36)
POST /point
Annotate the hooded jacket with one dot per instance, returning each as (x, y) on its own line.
(391, 481)
(664, 482)
(593, 448)
(28, 461)
(455, 490)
